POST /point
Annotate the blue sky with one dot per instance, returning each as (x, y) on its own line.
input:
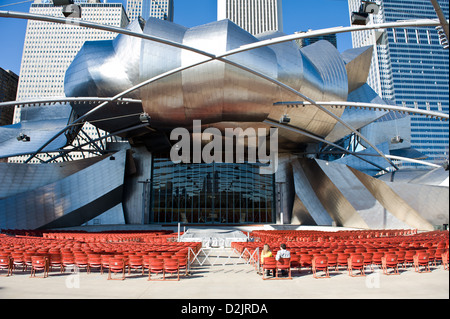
(298, 15)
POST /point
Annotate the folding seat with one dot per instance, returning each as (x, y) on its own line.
(409, 257)
(269, 265)
(332, 260)
(356, 262)
(390, 261)
(342, 260)
(54, 260)
(135, 262)
(283, 265)
(156, 266)
(401, 257)
(94, 261)
(116, 265)
(422, 259)
(6, 263)
(81, 261)
(377, 258)
(39, 263)
(445, 260)
(67, 261)
(320, 263)
(368, 259)
(18, 260)
(438, 255)
(171, 266)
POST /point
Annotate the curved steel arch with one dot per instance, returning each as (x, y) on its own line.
(220, 57)
(64, 99)
(400, 109)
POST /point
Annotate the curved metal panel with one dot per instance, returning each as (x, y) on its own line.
(67, 201)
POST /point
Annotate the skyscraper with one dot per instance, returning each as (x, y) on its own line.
(411, 68)
(255, 16)
(49, 48)
(8, 90)
(161, 9)
(308, 41)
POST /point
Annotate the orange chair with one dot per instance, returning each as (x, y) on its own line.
(445, 260)
(306, 261)
(171, 266)
(116, 265)
(422, 259)
(283, 265)
(377, 258)
(39, 263)
(368, 259)
(94, 261)
(356, 262)
(390, 260)
(270, 264)
(156, 266)
(135, 262)
(18, 261)
(81, 261)
(409, 257)
(320, 263)
(342, 260)
(332, 260)
(67, 260)
(6, 263)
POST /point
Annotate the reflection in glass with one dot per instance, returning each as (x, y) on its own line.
(219, 193)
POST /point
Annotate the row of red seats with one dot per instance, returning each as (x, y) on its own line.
(409, 250)
(45, 255)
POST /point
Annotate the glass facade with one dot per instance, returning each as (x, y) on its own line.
(411, 69)
(216, 193)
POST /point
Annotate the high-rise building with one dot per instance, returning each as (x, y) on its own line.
(50, 48)
(307, 41)
(161, 9)
(255, 16)
(411, 68)
(8, 91)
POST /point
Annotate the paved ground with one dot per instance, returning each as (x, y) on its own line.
(230, 282)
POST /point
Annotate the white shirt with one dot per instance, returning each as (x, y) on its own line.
(283, 253)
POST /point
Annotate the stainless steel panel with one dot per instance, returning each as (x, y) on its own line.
(65, 199)
(395, 204)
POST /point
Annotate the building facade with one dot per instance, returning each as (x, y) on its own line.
(161, 9)
(254, 16)
(50, 48)
(308, 41)
(8, 91)
(410, 68)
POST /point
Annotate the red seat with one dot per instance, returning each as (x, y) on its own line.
(283, 265)
(171, 267)
(356, 262)
(422, 259)
(156, 266)
(116, 265)
(306, 261)
(390, 261)
(39, 263)
(270, 264)
(94, 261)
(332, 260)
(445, 260)
(368, 259)
(320, 263)
(135, 262)
(409, 257)
(342, 260)
(81, 261)
(18, 260)
(6, 264)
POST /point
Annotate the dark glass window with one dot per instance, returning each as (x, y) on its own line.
(221, 193)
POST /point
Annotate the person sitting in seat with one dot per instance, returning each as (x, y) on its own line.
(266, 252)
(283, 253)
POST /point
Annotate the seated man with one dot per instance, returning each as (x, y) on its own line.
(283, 253)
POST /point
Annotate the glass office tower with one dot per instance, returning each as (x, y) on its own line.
(411, 68)
(161, 9)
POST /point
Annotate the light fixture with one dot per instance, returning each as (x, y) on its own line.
(144, 117)
(285, 119)
(69, 10)
(23, 137)
(396, 140)
(362, 16)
